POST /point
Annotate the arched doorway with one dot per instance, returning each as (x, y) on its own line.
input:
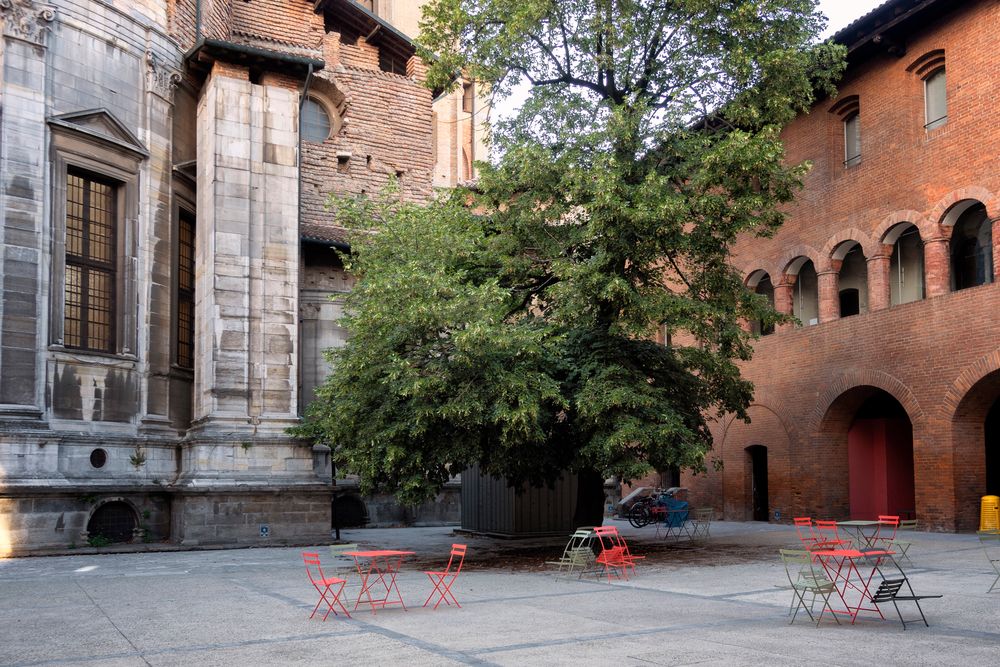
(992, 440)
(976, 442)
(880, 459)
(114, 521)
(756, 458)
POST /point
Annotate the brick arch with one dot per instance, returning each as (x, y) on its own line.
(769, 428)
(919, 220)
(794, 252)
(988, 199)
(866, 378)
(966, 380)
(849, 234)
(964, 408)
(750, 274)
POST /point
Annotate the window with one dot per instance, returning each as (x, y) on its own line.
(906, 268)
(935, 100)
(91, 263)
(468, 97)
(929, 68)
(852, 139)
(315, 121)
(972, 249)
(391, 62)
(185, 290)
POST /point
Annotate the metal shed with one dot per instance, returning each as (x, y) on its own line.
(492, 507)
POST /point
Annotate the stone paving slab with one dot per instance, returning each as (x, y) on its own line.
(715, 603)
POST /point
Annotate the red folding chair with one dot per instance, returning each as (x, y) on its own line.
(443, 580)
(804, 529)
(886, 531)
(324, 586)
(615, 555)
(828, 537)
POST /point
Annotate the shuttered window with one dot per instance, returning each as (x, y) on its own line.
(935, 99)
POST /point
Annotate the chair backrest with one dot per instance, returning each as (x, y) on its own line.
(887, 525)
(804, 529)
(608, 537)
(340, 560)
(908, 524)
(826, 531)
(798, 563)
(705, 514)
(581, 539)
(311, 560)
(888, 590)
(456, 550)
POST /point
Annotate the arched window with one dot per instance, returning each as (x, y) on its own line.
(316, 123)
(972, 249)
(114, 521)
(853, 282)
(805, 292)
(760, 283)
(906, 267)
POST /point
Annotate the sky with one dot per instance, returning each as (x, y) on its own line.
(841, 13)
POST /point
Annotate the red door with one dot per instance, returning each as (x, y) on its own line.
(880, 464)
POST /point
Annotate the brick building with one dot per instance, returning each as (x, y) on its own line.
(166, 258)
(885, 396)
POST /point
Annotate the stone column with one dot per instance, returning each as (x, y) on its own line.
(828, 284)
(783, 300)
(247, 257)
(879, 295)
(937, 267)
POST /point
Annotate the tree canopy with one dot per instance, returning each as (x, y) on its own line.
(576, 310)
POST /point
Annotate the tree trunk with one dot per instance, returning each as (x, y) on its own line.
(589, 498)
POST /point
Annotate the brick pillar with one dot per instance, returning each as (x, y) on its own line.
(879, 296)
(937, 267)
(996, 249)
(828, 283)
(783, 300)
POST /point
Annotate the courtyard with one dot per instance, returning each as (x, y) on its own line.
(718, 601)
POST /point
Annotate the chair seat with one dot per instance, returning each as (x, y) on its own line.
(333, 580)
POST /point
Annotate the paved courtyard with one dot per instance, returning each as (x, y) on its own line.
(715, 603)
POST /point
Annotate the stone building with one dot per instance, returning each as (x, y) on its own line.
(884, 397)
(167, 259)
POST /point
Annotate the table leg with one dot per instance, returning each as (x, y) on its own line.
(365, 585)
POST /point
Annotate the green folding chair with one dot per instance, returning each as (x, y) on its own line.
(901, 547)
(807, 578)
(578, 554)
(701, 522)
(990, 539)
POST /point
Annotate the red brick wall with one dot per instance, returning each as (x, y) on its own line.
(938, 357)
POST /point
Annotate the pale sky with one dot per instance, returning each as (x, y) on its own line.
(841, 13)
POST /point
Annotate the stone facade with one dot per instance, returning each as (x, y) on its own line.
(166, 136)
(921, 358)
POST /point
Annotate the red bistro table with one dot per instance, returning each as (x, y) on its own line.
(382, 568)
(852, 585)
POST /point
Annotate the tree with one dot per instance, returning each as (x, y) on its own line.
(514, 325)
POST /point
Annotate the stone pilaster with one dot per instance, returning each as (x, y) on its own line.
(247, 257)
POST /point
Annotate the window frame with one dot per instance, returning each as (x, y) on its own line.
(88, 266)
(182, 295)
(855, 118)
(76, 148)
(931, 123)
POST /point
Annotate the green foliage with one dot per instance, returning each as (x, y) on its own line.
(98, 541)
(512, 326)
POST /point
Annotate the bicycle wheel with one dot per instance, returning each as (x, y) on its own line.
(639, 515)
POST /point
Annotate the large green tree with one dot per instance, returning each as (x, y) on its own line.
(513, 325)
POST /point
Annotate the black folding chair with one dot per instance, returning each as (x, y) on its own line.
(888, 591)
